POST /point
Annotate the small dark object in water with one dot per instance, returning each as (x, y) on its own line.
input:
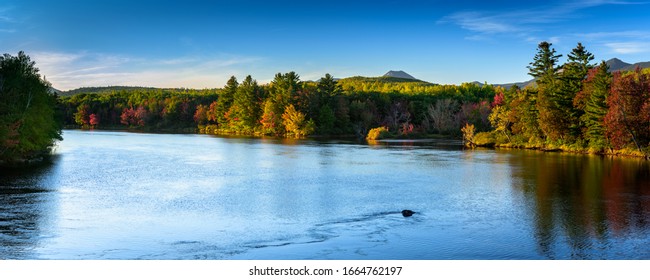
(407, 213)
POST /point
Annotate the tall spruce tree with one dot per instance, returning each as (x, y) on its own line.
(225, 100)
(326, 91)
(245, 110)
(573, 74)
(327, 88)
(284, 88)
(594, 93)
(544, 69)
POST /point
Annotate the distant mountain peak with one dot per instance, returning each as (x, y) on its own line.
(616, 64)
(616, 60)
(399, 74)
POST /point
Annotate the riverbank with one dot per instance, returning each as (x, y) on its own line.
(27, 161)
(489, 140)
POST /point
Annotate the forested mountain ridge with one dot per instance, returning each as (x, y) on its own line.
(391, 76)
(616, 64)
(112, 89)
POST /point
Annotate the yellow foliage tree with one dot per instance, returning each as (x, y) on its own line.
(295, 124)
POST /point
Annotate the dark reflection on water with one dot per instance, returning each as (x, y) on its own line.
(115, 195)
(583, 205)
(25, 207)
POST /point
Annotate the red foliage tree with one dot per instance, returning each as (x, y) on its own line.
(499, 99)
(627, 120)
(213, 113)
(201, 114)
(133, 117)
(93, 120)
(81, 116)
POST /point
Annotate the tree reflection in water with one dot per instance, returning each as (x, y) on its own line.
(581, 205)
(26, 207)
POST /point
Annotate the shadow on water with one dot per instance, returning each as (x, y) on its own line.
(25, 204)
(583, 206)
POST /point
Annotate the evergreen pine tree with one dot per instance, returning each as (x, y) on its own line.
(225, 100)
(245, 108)
(574, 72)
(596, 89)
(545, 71)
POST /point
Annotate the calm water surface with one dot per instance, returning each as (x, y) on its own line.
(116, 195)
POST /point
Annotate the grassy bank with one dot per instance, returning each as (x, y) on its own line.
(494, 140)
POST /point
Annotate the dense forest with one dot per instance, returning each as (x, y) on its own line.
(136, 108)
(575, 106)
(289, 107)
(29, 126)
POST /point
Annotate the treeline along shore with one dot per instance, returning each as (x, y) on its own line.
(575, 106)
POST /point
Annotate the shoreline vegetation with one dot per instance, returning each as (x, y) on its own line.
(576, 107)
(29, 123)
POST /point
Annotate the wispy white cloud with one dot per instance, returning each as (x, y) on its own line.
(629, 47)
(4, 17)
(72, 70)
(638, 34)
(522, 22)
(6, 21)
(620, 42)
(480, 22)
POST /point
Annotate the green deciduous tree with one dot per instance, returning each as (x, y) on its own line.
(326, 120)
(28, 127)
(524, 117)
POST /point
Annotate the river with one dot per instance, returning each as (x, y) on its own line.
(120, 195)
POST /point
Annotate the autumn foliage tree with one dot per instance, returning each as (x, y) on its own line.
(134, 117)
(201, 114)
(295, 122)
(93, 120)
(81, 117)
(628, 122)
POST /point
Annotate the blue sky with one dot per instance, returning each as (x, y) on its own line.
(195, 44)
